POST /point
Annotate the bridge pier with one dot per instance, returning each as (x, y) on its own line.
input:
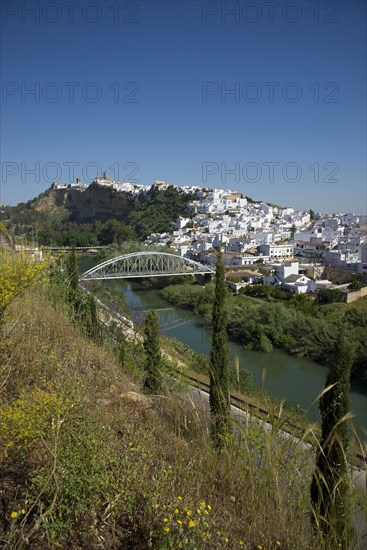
(203, 278)
(208, 277)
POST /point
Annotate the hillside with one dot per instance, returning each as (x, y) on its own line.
(88, 461)
(98, 215)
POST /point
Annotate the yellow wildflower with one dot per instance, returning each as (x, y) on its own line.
(179, 522)
(209, 507)
(13, 515)
(166, 520)
(176, 511)
(202, 503)
(179, 498)
(166, 529)
(191, 524)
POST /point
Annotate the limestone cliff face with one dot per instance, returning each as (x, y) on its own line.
(52, 201)
(95, 203)
(99, 203)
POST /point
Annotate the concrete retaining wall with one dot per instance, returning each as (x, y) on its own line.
(350, 297)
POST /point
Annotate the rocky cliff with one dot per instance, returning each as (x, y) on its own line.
(95, 203)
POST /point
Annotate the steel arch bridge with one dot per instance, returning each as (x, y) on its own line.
(145, 264)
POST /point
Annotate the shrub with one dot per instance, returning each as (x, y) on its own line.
(17, 273)
(329, 296)
(356, 284)
(26, 422)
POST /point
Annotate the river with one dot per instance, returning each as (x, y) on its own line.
(297, 380)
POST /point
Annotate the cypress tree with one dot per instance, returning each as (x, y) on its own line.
(72, 270)
(219, 397)
(152, 348)
(330, 487)
(89, 316)
(122, 351)
(93, 317)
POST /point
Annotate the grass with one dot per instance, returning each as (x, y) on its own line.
(341, 307)
(88, 461)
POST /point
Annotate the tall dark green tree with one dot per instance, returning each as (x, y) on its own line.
(84, 306)
(330, 492)
(88, 313)
(72, 270)
(219, 397)
(122, 351)
(152, 349)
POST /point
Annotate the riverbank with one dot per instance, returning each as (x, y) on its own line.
(192, 367)
(299, 326)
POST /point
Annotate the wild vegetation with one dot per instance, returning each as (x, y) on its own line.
(89, 461)
(17, 273)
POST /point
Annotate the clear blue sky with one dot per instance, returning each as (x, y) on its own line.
(170, 50)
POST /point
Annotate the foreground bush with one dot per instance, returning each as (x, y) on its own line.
(17, 273)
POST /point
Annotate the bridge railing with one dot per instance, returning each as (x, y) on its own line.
(146, 264)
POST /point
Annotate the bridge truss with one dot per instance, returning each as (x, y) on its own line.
(145, 264)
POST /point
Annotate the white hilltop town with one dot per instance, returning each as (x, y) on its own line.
(296, 245)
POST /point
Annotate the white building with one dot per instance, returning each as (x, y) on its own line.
(275, 251)
(298, 284)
